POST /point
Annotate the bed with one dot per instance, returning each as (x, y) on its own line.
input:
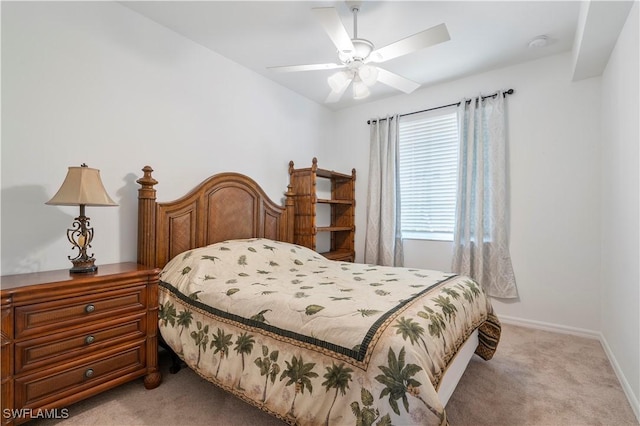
(306, 339)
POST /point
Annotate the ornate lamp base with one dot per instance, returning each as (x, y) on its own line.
(81, 236)
(83, 265)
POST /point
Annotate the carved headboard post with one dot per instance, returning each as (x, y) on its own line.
(147, 218)
(290, 214)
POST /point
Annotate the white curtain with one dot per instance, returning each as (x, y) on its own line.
(383, 241)
(481, 246)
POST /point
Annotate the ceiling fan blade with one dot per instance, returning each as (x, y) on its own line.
(396, 81)
(311, 67)
(330, 20)
(335, 96)
(426, 38)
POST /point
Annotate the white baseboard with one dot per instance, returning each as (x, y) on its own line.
(633, 400)
(581, 332)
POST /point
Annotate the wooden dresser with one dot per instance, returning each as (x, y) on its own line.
(66, 337)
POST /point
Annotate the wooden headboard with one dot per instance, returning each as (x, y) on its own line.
(223, 207)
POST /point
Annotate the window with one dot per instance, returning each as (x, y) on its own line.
(428, 163)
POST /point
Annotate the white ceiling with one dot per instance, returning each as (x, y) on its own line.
(259, 34)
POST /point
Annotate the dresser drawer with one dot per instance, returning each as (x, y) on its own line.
(78, 342)
(40, 388)
(60, 314)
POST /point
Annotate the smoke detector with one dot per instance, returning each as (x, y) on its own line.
(539, 41)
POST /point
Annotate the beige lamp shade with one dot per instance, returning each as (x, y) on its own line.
(82, 186)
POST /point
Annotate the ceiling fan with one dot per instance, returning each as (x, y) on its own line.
(357, 54)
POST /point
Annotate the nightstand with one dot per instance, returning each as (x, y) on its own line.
(66, 337)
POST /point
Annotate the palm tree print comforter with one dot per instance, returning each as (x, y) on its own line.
(314, 341)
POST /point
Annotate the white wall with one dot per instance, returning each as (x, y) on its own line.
(94, 82)
(620, 293)
(554, 154)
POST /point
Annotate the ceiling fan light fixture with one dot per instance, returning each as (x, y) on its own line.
(368, 74)
(360, 90)
(339, 81)
(355, 53)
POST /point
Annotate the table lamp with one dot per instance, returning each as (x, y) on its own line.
(82, 187)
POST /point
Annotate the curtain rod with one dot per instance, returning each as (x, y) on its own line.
(504, 94)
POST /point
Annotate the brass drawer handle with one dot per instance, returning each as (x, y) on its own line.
(88, 373)
(89, 308)
(89, 340)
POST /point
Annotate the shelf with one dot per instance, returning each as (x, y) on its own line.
(330, 174)
(333, 228)
(324, 201)
(338, 255)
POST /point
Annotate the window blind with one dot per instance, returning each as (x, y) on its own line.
(428, 163)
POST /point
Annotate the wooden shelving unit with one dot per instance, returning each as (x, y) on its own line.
(342, 205)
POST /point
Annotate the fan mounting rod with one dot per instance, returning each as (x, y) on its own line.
(362, 47)
(354, 9)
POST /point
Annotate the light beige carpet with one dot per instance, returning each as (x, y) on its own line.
(535, 378)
